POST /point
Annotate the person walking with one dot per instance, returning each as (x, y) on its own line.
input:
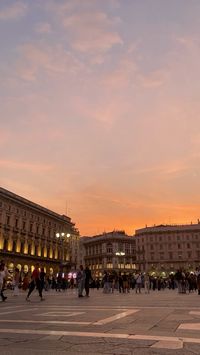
(120, 283)
(146, 283)
(88, 279)
(106, 285)
(16, 282)
(198, 281)
(42, 278)
(138, 279)
(2, 278)
(80, 277)
(35, 282)
(25, 282)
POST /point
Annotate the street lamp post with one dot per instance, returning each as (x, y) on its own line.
(119, 254)
(64, 237)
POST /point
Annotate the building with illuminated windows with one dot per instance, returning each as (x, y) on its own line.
(109, 251)
(163, 249)
(30, 233)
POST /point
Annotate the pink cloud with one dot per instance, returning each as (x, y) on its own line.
(50, 59)
(14, 11)
(43, 28)
(92, 31)
(14, 165)
(153, 79)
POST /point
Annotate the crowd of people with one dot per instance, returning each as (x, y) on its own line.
(183, 281)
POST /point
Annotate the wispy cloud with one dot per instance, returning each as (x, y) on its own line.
(92, 32)
(13, 11)
(14, 165)
(36, 58)
(43, 28)
(153, 79)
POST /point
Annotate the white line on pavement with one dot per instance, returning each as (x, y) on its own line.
(42, 321)
(116, 317)
(164, 344)
(60, 314)
(196, 313)
(101, 335)
(9, 307)
(190, 326)
(19, 311)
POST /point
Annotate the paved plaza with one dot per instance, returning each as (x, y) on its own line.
(162, 322)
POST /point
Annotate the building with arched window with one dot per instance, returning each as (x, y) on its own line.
(29, 234)
(113, 251)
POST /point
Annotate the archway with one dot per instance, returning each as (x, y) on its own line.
(11, 267)
(19, 267)
(26, 269)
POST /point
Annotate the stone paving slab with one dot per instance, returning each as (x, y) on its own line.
(151, 324)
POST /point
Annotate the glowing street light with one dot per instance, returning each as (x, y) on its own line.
(63, 235)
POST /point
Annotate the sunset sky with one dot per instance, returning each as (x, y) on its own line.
(99, 109)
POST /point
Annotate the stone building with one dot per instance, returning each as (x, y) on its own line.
(30, 233)
(109, 251)
(165, 248)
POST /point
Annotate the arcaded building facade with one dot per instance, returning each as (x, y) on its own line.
(109, 251)
(166, 248)
(29, 234)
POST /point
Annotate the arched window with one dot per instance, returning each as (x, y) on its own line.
(25, 268)
(11, 267)
(19, 267)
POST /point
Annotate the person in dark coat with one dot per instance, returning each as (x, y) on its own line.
(88, 279)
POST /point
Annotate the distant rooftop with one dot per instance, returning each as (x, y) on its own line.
(169, 227)
(34, 205)
(108, 235)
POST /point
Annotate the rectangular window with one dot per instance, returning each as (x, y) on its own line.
(161, 256)
(152, 256)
